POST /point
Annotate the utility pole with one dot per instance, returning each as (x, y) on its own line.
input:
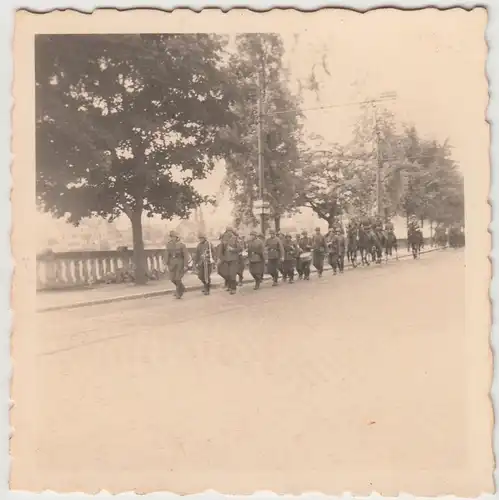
(379, 165)
(261, 171)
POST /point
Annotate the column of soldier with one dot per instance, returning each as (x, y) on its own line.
(278, 254)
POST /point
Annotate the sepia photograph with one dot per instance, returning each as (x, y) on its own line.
(251, 252)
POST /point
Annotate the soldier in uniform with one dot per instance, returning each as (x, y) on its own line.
(221, 265)
(412, 228)
(176, 261)
(203, 260)
(299, 269)
(341, 243)
(275, 254)
(242, 260)
(256, 252)
(333, 247)
(231, 251)
(282, 237)
(288, 263)
(319, 251)
(305, 246)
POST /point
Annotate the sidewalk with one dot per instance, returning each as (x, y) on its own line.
(104, 294)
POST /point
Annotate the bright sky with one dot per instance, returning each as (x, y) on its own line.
(433, 60)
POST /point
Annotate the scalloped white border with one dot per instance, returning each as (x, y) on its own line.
(6, 29)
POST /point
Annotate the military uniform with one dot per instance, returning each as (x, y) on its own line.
(299, 269)
(341, 243)
(319, 251)
(242, 261)
(282, 238)
(275, 254)
(305, 246)
(256, 258)
(288, 263)
(221, 265)
(230, 255)
(204, 263)
(390, 238)
(333, 248)
(176, 260)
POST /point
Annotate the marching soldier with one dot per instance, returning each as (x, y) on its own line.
(305, 247)
(299, 269)
(204, 262)
(341, 244)
(256, 252)
(319, 250)
(242, 260)
(334, 250)
(230, 254)
(282, 237)
(275, 254)
(412, 229)
(288, 263)
(176, 261)
(221, 265)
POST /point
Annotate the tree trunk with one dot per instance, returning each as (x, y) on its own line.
(139, 257)
(277, 223)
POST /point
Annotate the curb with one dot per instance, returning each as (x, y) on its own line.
(158, 293)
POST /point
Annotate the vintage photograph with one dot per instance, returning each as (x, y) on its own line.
(252, 252)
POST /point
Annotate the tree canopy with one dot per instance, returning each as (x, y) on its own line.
(257, 66)
(125, 123)
(418, 176)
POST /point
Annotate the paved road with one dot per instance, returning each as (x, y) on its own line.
(317, 385)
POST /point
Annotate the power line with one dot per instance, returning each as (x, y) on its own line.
(331, 106)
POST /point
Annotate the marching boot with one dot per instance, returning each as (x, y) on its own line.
(274, 280)
(240, 280)
(175, 293)
(257, 284)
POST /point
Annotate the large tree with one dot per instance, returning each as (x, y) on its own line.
(125, 123)
(418, 176)
(434, 185)
(334, 181)
(257, 66)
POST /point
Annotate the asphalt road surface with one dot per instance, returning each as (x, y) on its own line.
(320, 385)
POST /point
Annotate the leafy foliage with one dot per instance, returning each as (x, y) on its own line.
(417, 176)
(281, 132)
(334, 181)
(125, 123)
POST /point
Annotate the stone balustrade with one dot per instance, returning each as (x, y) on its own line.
(74, 269)
(78, 269)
